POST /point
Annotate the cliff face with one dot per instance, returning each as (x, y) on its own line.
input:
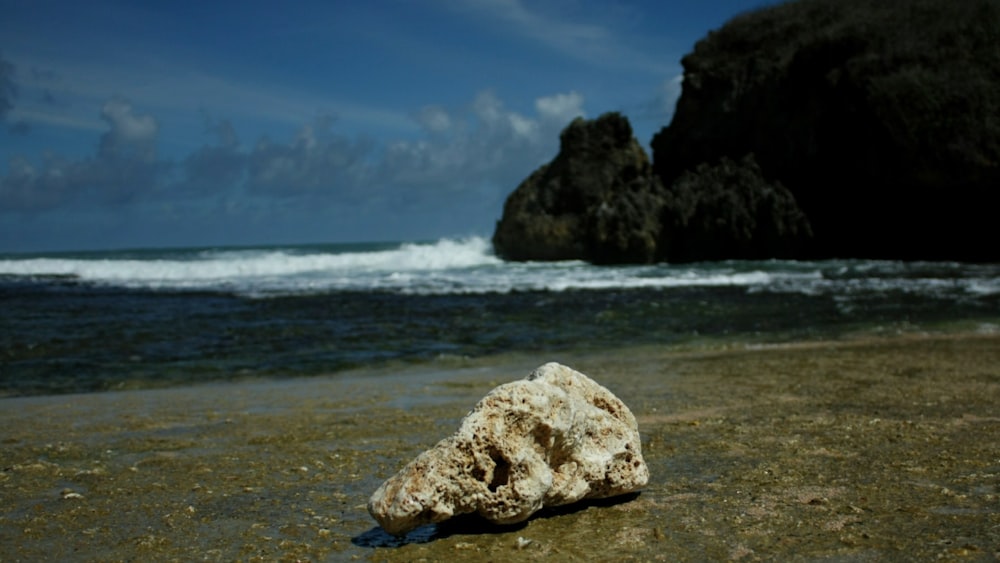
(728, 210)
(881, 118)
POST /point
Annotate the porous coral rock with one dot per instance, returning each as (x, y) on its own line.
(551, 439)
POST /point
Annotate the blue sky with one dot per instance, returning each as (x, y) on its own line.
(149, 124)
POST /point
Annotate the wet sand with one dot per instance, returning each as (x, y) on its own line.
(850, 450)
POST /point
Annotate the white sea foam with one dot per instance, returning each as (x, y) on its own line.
(468, 266)
(258, 269)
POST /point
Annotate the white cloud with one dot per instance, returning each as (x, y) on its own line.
(129, 133)
(560, 107)
(523, 127)
(125, 125)
(434, 119)
(317, 162)
(123, 171)
(495, 120)
(488, 107)
(488, 148)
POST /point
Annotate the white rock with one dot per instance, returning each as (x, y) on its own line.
(553, 438)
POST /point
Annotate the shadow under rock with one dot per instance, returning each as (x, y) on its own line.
(473, 524)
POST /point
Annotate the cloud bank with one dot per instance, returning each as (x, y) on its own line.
(475, 154)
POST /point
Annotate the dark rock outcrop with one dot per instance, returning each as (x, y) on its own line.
(596, 201)
(728, 210)
(881, 118)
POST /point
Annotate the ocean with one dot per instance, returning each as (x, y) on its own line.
(127, 319)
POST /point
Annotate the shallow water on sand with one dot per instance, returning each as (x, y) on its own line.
(850, 450)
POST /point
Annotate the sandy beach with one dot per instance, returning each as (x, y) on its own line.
(856, 450)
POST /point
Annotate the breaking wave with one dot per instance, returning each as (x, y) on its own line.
(468, 266)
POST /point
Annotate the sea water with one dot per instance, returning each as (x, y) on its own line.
(95, 321)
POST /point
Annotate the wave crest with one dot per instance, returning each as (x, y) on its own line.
(252, 270)
(468, 266)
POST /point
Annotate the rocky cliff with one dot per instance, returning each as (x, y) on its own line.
(881, 118)
(811, 129)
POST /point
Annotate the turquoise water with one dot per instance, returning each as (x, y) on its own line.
(100, 321)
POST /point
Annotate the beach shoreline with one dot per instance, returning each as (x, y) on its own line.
(862, 448)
